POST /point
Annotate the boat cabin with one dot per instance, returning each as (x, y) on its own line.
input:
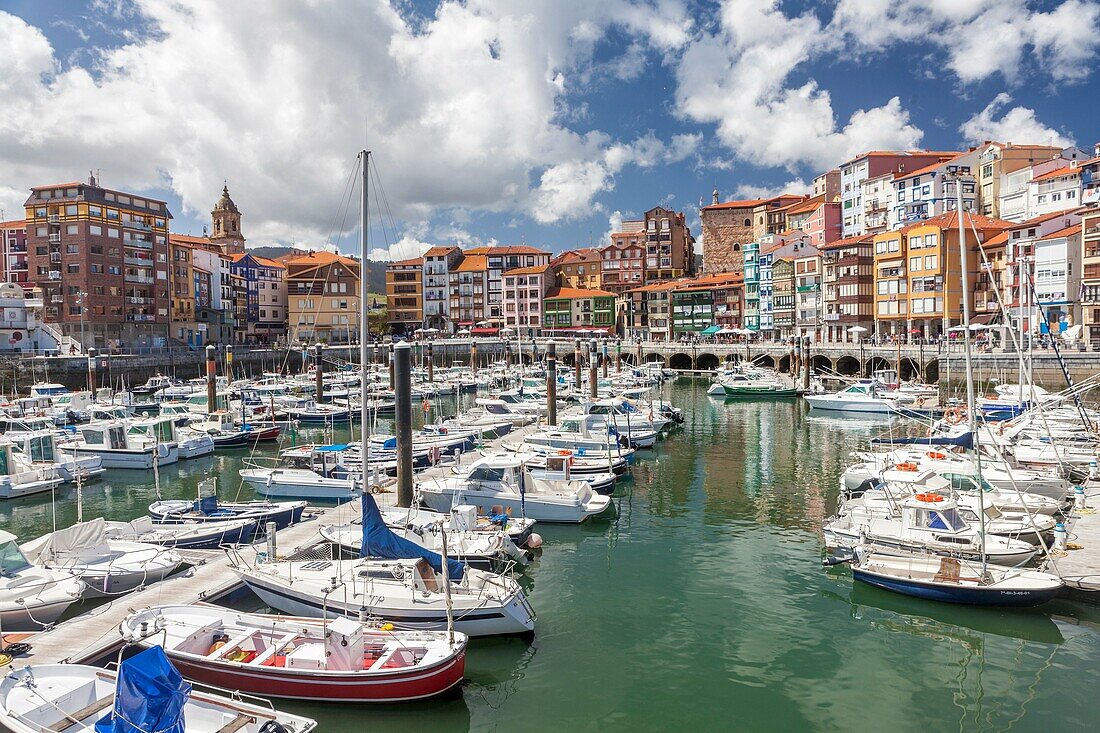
(110, 435)
(48, 389)
(162, 429)
(12, 559)
(939, 517)
(26, 424)
(199, 403)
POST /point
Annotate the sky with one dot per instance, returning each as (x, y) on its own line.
(543, 122)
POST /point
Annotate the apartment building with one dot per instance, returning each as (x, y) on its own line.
(524, 289)
(871, 165)
(578, 268)
(998, 160)
(497, 261)
(100, 257)
(210, 318)
(1054, 190)
(827, 184)
(405, 295)
(649, 310)
(930, 191)
(578, 311)
(622, 263)
(807, 303)
(181, 283)
(847, 293)
(438, 262)
(1021, 251)
(13, 252)
(877, 194)
(819, 220)
(1090, 274)
(468, 284)
(751, 256)
(266, 298)
(728, 227)
(322, 297)
(783, 297)
(669, 245)
(729, 298)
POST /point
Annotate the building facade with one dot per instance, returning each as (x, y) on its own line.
(524, 288)
(1090, 275)
(807, 304)
(322, 298)
(438, 262)
(577, 310)
(100, 258)
(870, 165)
(405, 295)
(468, 285)
(783, 297)
(578, 268)
(622, 263)
(13, 246)
(848, 281)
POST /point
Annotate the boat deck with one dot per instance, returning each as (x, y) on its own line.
(91, 635)
(1080, 568)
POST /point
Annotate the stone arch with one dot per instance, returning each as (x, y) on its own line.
(628, 358)
(654, 357)
(567, 358)
(785, 363)
(910, 368)
(680, 360)
(932, 371)
(821, 362)
(877, 363)
(526, 358)
(847, 365)
(764, 360)
(705, 362)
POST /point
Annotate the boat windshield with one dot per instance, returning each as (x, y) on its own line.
(485, 473)
(946, 519)
(12, 559)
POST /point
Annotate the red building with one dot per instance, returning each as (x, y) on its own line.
(13, 240)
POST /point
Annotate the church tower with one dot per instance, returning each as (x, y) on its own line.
(226, 225)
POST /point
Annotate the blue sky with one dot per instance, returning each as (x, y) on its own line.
(515, 121)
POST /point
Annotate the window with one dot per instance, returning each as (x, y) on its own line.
(71, 249)
(97, 267)
(73, 268)
(70, 210)
(72, 229)
(112, 233)
(95, 229)
(931, 262)
(914, 263)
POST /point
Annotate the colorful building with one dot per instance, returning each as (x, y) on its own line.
(405, 295)
(266, 298)
(322, 297)
(578, 268)
(848, 283)
(13, 252)
(576, 310)
(468, 285)
(438, 262)
(524, 289)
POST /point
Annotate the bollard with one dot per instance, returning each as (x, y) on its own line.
(211, 379)
(402, 363)
(473, 355)
(577, 366)
(91, 370)
(1079, 498)
(431, 365)
(1060, 536)
(229, 362)
(593, 357)
(551, 383)
(272, 542)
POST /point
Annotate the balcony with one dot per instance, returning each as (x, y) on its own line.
(18, 247)
(140, 318)
(137, 300)
(139, 261)
(55, 257)
(54, 275)
(57, 299)
(55, 238)
(139, 243)
(137, 225)
(138, 279)
(54, 218)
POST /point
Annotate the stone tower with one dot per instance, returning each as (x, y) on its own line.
(226, 224)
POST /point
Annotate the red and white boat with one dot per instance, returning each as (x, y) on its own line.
(338, 660)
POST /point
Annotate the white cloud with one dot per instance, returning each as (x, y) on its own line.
(405, 249)
(754, 191)
(1018, 125)
(461, 109)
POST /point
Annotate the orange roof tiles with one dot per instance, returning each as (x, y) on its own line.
(321, 257)
(996, 240)
(406, 263)
(927, 168)
(476, 251)
(950, 219)
(439, 251)
(809, 205)
(574, 293)
(266, 262)
(1067, 231)
(533, 270)
(1063, 171)
(848, 241)
(187, 239)
(1041, 218)
(14, 224)
(515, 249)
(473, 263)
(58, 185)
(743, 204)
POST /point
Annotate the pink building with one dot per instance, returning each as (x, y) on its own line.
(524, 288)
(823, 224)
(13, 261)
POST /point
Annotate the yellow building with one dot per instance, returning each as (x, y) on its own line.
(918, 283)
(181, 290)
(405, 295)
(322, 297)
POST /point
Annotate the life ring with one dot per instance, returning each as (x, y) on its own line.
(933, 498)
(907, 466)
(954, 416)
(936, 455)
(565, 453)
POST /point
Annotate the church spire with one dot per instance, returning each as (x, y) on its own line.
(226, 223)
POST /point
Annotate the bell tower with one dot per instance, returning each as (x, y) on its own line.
(226, 224)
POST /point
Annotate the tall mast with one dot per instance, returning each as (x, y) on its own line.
(364, 330)
(971, 410)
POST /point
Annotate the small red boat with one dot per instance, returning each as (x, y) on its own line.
(339, 660)
(258, 434)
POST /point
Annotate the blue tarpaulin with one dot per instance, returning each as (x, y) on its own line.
(149, 696)
(710, 330)
(331, 448)
(379, 541)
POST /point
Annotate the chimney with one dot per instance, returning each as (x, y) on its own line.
(714, 193)
(901, 167)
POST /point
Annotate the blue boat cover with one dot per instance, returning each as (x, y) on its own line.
(149, 696)
(379, 541)
(966, 440)
(331, 448)
(390, 444)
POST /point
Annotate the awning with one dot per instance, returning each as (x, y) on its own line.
(483, 331)
(985, 318)
(711, 330)
(466, 324)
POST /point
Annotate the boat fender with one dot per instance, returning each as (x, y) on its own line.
(534, 541)
(833, 560)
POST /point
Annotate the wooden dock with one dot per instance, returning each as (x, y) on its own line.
(1080, 568)
(94, 634)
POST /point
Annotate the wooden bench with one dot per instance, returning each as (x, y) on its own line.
(81, 715)
(237, 723)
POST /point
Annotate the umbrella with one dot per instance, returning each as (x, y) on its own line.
(915, 330)
(973, 327)
(462, 332)
(483, 324)
(857, 329)
(729, 331)
(506, 330)
(431, 330)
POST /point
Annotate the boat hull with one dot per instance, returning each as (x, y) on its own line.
(970, 595)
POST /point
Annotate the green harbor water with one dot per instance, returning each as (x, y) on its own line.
(702, 605)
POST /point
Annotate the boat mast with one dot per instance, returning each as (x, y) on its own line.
(364, 222)
(971, 411)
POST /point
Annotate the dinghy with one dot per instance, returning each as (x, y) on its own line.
(301, 658)
(147, 694)
(198, 536)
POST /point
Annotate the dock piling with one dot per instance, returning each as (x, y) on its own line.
(551, 383)
(91, 370)
(319, 372)
(593, 358)
(402, 370)
(211, 378)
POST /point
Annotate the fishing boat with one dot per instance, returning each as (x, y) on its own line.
(414, 588)
(198, 536)
(210, 509)
(954, 580)
(222, 430)
(107, 567)
(118, 447)
(337, 660)
(31, 596)
(499, 482)
(757, 386)
(165, 428)
(147, 694)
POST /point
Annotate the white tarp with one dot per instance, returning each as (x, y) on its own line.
(87, 539)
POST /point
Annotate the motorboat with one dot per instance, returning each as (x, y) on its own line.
(32, 596)
(929, 524)
(499, 482)
(118, 447)
(166, 429)
(41, 447)
(954, 580)
(19, 476)
(408, 590)
(864, 396)
(148, 693)
(106, 567)
(197, 536)
(755, 385)
(323, 477)
(221, 429)
(209, 509)
(518, 529)
(337, 660)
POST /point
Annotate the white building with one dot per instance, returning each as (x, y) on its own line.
(807, 297)
(929, 191)
(1058, 278)
(1054, 190)
(872, 165)
(878, 202)
(1021, 250)
(438, 262)
(524, 288)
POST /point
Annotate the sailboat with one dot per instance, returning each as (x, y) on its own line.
(951, 579)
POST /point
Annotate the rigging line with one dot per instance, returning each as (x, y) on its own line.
(384, 199)
(381, 220)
